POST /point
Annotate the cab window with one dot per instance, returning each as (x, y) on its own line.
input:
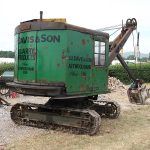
(99, 53)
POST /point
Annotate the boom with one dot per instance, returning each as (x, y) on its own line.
(136, 92)
(121, 39)
(119, 42)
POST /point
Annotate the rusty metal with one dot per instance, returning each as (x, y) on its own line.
(25, 27)
(38, 89)
(121, 39)
(33, 25)
(87, 121)
(137, 93)
(80, 113)
(123, 63)
(83, 42)
(41, 15)
(3, 102)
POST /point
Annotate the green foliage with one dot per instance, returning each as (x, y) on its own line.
(140, 71)
(131, 57)
(144, 59)
(7, 54)
(6, 67)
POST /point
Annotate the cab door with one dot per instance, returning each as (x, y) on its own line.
(100, 66)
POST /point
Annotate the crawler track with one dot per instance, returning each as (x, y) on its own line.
(41, 116)
(83, 115)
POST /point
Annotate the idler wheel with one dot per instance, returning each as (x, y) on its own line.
(16, 113)
(112, 110)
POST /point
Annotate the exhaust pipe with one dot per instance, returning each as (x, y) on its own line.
(41, 15)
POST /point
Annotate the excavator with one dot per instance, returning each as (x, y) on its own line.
(69, 64)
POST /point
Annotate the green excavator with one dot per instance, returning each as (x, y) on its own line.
(69, 64)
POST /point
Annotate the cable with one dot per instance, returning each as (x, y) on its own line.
(118, 27)
(110, 28)
(115, 32)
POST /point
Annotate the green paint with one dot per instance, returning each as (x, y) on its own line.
(60, 56)
(26, 60)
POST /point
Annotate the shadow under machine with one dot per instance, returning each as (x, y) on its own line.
(69, 64)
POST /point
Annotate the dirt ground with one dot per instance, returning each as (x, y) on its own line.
(131, 131)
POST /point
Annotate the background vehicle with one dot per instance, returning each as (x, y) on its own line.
(6, 77)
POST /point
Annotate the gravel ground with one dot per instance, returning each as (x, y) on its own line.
(10, 132)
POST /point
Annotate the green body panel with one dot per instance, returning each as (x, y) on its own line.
(60, 56)
(26, 57)
(40, 56)
(51, 66)
(79, 62)
(83, 77)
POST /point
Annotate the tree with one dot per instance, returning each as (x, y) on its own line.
(144, 59)
(131, 57)
(7, 54)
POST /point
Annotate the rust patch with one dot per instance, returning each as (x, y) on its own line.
(82, 88)
(87, 56)
(83, 42)
(34, 53)
(63, 55)
(25, 27)
(83, 75)
(73, 73)
(42, 81)
(45, 47)
(58, 65)
(93, 75)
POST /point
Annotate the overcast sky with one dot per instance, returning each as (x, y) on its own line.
(92, 14)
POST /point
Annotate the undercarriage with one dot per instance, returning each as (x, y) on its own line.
(83, 114)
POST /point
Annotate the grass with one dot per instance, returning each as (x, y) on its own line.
(131, 131)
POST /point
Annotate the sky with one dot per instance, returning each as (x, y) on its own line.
(93, 14)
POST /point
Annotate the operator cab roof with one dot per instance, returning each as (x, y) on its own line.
(59, 24)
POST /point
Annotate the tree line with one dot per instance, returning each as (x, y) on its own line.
(143, 59)
(7, 54)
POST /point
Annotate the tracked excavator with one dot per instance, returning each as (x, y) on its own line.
(69, 64)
